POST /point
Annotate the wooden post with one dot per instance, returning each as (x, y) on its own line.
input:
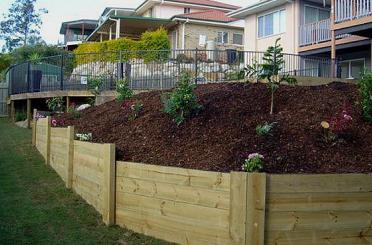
(28, 113)
(34, 127)
(70, 159)
(256, 203)
(12, 111)
(109, 184)
(333, 40)
(67, 103)
(48, 129)
(238, 207)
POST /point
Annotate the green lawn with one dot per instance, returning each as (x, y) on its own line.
(35, 206)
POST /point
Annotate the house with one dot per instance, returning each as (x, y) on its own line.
(308, 27)
(75, 32)
(191, 23)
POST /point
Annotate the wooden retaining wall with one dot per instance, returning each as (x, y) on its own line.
(198, 207)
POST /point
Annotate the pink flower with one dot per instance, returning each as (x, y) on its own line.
(54, 123)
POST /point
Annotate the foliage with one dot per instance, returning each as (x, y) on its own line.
(21, 26)
(95, 85)
(20, 116)
(254, 163)
(235, 75)
(183, 58)
(135, 109)
(273, 62)
(265, 129)
(84, 137)
(108, 50)
(365, 87)
(73, 112)
(123, 90)
(55, 104)
(182, 102)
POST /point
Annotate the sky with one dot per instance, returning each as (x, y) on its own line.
(67, 10)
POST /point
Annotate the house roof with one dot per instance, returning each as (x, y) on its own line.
(257, 8)
(209, 15)
(210, 3)
(88, 24)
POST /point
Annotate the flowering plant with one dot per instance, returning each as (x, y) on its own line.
(337, 126)
(135, 108)
(84, 137)
(254, 163)
(72, 110)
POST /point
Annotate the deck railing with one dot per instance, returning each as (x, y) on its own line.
(346, 10)
(316, 32)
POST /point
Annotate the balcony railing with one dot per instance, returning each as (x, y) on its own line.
(346, 10)
(316, 32)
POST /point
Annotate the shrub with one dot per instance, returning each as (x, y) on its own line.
(270, 70)
(265, 129)
(71, 110)
(20, 116)
(339, 125)
(254, 163)
(95, 85)
(108, 50)
(365, 86)
(135, 109)
(84, 137)
(182, 102)
(123, 90)
(55, 104)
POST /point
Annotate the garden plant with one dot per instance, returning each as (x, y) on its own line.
(270, 70)
(182, 102)
(55, 104)
(123, 90)
(365, 86)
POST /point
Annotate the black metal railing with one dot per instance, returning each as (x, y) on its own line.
(148, 70)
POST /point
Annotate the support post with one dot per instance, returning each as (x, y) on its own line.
(333, 41)
(109, 184)
(12, 110)
(238, 207)
(196, 66)
(256, 204)
(70, 157)
(47, 140)
(117, 34)
(110, 33)
(62, 72)
(68, 102)
(34, 127)
(29, 113)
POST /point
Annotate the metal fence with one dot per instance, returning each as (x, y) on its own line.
(148, 70)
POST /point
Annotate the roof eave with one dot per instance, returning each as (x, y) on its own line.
(257, 8)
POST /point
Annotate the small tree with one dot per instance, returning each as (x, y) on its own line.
(270, 70)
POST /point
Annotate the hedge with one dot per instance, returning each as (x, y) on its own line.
(108, 50)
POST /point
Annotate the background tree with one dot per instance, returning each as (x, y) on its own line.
(21, 25)
(270, 70)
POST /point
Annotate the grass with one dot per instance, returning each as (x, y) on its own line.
(35, 206)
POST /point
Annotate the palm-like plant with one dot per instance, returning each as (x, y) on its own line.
(270, 70)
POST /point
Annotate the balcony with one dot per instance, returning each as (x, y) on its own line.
(346, 10)
(314, 33)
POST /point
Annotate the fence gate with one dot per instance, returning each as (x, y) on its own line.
(3, 100)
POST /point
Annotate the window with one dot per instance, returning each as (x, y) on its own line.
(186, 10)
(271, 24)
(202, 40)
(151, 12)
(222, 37)
(238, 39)
(314, 14)
(352, 68)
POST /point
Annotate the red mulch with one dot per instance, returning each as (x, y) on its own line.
(224, 130)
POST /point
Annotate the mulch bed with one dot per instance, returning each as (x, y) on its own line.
(225, 130)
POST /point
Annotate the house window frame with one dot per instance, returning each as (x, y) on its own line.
(349, 71)
(269, 13)
(227, 37)
(316, 7)
(186, 10)
(240, 34)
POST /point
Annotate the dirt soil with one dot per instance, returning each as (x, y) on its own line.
(224, 132)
